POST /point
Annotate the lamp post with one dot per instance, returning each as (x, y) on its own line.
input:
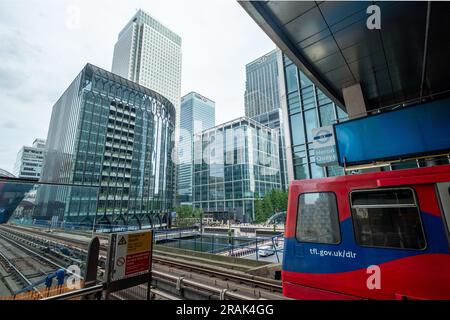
(93, 226)
(201, 222)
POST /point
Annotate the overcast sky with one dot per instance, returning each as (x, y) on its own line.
(43, 46)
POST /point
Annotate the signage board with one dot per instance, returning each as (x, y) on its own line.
(132, 254)
(407, 132)
(324, 144)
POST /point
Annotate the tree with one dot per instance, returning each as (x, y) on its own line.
(259, 210)
(279, 200)
(274, 201)
(268, 205)
(187, 215)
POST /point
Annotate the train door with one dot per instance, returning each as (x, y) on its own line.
(444, 196)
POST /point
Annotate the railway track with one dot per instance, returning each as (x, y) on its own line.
(14, 273)
(23, 265)
(169, 268)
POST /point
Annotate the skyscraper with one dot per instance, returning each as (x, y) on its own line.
(29, 161)
(261, 87)
(109, 132)
(149, 53)
(197, 114)
(262, 100)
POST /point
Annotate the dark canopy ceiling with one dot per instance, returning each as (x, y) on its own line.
(329, 40)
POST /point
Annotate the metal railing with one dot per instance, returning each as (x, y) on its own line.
(97, 289)
(255, 248)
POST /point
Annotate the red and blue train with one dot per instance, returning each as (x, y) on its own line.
(380, 235)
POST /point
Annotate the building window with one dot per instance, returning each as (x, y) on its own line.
(327, 115)
(291, 78)
(316, 171)
(294, 102)
(298, 134)
(342, 115)
(317, 218)
(301, 172)
(387, 218)
(304, 81)
(311, 123)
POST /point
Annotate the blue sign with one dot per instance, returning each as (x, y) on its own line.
(324, 146)
(422, 129)
(323, 136)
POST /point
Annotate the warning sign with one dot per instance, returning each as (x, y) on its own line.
(120, 262)
(132, 254)
(137, 262)
(122, 241)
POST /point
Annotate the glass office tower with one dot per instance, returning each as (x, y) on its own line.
(261, 85)
(262, 100)
(149, 53)
(234, 163)
(305, 107)
(198, 113)
(274, 120)
(110, 132)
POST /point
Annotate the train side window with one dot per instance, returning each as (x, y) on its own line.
(387, 218)
(317, 218)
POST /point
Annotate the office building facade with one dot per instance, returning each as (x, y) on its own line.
(235, 163)
(262, 85)
(111, 133)
(274, 120)
(262, 100)
(304, 107)
(149, 53)
(197, 113)
(29, 161)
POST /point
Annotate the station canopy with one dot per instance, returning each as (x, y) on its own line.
(404, 61)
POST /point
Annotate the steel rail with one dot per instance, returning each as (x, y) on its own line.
(35, 254)
(19, 273)
(254, 282)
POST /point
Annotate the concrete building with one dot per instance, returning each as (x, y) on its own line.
(29, 161)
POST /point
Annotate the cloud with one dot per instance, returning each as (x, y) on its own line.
(10, 78)
(44, 45)
(9, 124)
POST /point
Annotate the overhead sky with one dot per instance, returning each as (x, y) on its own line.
(44, 44)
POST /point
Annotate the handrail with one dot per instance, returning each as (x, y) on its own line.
(191, 283)
(78, 293)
